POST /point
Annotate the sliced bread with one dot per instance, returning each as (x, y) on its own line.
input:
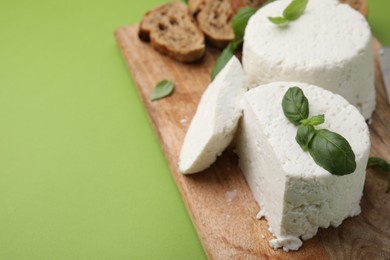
(171, 30)
(215, 16)
(214, 19)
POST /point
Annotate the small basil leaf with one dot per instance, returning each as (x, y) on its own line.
(278, 20)
(382, 164)
(332, 152)
(315, 120)
(304, 135)
(224, 58)
(240, 20)
(295, 9)
(379, 162)
(162, 89)
(295, 105)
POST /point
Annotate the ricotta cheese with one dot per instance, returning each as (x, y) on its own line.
(328, 46)
(296, 195)
(216, 119)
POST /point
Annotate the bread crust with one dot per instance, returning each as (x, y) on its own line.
(171, 30)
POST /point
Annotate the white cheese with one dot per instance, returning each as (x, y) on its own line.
(328, 46)
(295, 194)
(216, 119)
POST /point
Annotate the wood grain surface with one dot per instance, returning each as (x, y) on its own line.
(219, 201)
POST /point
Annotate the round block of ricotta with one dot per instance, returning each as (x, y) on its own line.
(328, 46)
(296, 195)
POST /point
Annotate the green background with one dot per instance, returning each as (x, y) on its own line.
(82, 175)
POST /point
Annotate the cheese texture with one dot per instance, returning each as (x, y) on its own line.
(216, 119)
(296, 195)
(328, 46)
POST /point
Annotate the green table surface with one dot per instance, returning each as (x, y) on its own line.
(82, 175)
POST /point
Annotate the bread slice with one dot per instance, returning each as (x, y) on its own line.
(214, 17)
(172, 31)
(214, 20)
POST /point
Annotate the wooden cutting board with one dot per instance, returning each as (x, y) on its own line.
(219, 200)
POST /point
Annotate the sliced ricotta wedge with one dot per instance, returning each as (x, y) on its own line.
(216, 119)
(328, 46)
(295, 195)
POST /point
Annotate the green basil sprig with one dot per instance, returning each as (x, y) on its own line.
(163, 89)
(292, 12)
(383, 165)
(329, 150)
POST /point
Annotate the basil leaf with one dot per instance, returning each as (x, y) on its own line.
(295, 9)
(163, 89)
(332, 152)
(295, 105)
(383, 165)
(224, 58)
(278, 20)
(315, 120)
(304, 135)
(379, 162)
(240, 20)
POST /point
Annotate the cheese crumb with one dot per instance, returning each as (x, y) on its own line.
(230, 195)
